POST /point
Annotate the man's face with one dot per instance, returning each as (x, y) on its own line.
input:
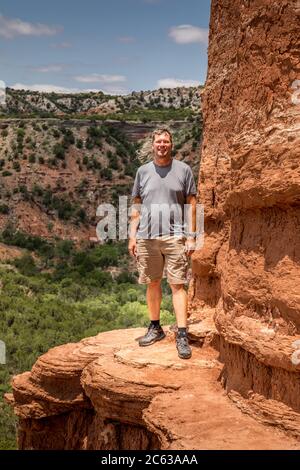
(162, 146)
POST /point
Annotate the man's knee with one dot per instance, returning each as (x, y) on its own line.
(155, 283)
(177, 287)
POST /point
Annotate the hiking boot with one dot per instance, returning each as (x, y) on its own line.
(183, 348)
(153, 334)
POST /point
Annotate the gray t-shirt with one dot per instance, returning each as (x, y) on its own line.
(163, 191)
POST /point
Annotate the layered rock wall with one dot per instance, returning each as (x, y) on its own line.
(248, 274)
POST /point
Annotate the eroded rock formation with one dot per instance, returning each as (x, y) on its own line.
(107, 393)
(247, 277)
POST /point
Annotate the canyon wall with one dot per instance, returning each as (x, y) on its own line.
(247, 276)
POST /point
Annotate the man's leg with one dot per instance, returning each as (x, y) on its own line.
(177, 265)
(154, 296)
(179, 297)
(155, 331)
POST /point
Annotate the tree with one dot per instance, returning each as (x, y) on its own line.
(59, 151)
(106, 173)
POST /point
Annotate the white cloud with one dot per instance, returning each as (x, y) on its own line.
(126, 39)
(12, 27)
(49, 68)
(175, 82)
(187, 34)
(99, 78)
(47, 88)
(115, 90)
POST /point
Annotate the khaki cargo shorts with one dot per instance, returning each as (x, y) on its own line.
(160, 257)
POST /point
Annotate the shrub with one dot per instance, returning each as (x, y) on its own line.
(89, 145)
(79, 144)
(68, 139)
(4, 209)
(26, 265)
(20, 135)
(81, 215)
(16, 166)
(56, 133)
(106, 173)
(64, 249)
(130, 169)
(59, 151)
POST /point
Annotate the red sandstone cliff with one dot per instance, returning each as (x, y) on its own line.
(248, 274)
(106, 392)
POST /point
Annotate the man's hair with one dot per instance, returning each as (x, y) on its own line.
(161, 130)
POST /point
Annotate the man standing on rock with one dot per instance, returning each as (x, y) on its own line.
(160, 238)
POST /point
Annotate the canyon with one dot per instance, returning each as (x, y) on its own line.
(240, 390)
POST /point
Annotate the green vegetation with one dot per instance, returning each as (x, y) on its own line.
(59, 151)
(75, 298)
(147, 115)
(79, 144)
(106, 173)
(4, 209)
(16, 166)
(63, 206)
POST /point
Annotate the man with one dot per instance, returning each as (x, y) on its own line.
(160, 239)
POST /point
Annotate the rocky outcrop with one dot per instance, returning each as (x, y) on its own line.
(106, 392)
(90, 103)
(247, 277)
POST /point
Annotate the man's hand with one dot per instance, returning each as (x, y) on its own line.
(190, 246)
(132, 247)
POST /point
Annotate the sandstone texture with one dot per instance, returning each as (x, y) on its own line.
(106, 392)
(247, 276)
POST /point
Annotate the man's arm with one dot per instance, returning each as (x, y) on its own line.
(191, 239)
(133, 225)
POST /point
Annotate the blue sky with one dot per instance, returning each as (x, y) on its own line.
(116, 46)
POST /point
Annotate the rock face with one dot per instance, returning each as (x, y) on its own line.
(247, 277)
(106, 392)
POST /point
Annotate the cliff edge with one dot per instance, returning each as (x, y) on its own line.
(106, 392)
